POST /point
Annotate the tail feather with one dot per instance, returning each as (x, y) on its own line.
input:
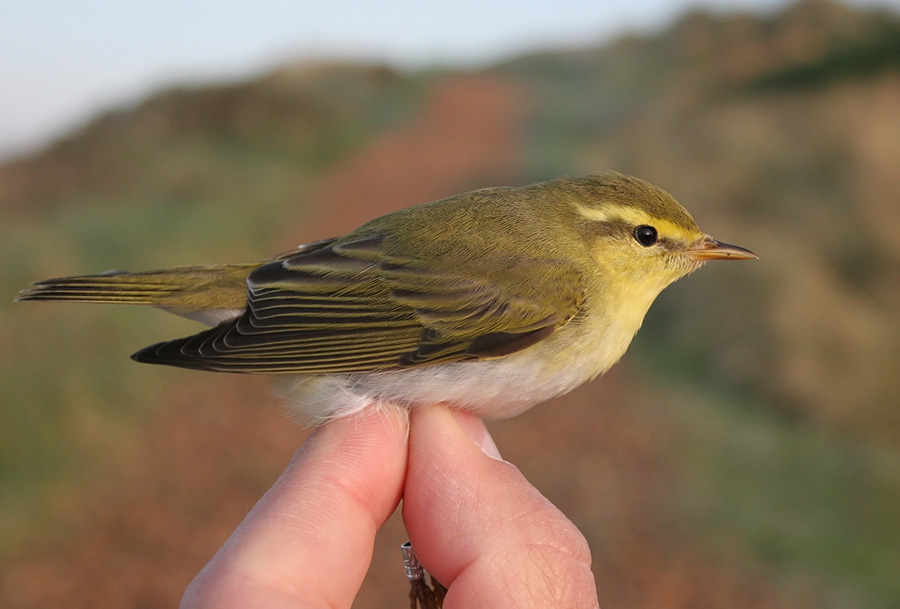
(187, 290)
(118, 286)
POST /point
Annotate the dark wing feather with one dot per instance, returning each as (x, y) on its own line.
(350, 307)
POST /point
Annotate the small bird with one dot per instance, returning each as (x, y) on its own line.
(491, 301)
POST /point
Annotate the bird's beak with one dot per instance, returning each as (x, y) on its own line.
(708, 248)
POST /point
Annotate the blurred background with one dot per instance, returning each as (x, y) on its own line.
(745, 453)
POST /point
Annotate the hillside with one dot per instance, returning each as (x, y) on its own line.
(746, 453)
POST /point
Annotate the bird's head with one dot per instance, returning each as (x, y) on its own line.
(640, 236)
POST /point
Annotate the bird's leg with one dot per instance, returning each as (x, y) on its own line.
(439, 590)
(421, 595)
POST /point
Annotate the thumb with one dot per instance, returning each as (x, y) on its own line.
(481, 529)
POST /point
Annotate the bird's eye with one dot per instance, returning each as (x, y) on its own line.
(645, 235)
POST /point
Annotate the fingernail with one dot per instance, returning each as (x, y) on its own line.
(477, 432)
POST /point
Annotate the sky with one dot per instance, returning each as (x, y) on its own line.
(63, 62)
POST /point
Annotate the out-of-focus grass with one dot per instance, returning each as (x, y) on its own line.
(813, 507)
(69, 389)
(772, 373)
(856, 59)
(776, 375)
(169, 196)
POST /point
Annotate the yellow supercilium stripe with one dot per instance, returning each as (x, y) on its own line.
(633, 217)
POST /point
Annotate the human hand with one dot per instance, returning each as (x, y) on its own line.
(476, 524)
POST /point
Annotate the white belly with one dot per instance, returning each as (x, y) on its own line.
(493, 389)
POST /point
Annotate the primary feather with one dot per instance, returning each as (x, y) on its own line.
(351, 306)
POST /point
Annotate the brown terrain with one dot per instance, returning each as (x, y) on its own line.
(745, 452)
(137, 538)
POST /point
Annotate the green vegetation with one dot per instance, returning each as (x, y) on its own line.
(147, 188)
(857, 59)
(810, 505)
(777, 381)
(793, 457)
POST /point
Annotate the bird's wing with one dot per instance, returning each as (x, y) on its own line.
(351, 307)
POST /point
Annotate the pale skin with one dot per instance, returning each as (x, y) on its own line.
(475, 522)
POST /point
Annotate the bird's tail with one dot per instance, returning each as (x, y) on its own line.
(191, 291)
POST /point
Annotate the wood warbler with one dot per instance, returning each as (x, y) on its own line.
(491, 301)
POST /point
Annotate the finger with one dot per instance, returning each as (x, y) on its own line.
(308, 541)
(481, 529)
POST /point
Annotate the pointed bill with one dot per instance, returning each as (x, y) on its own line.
(710, 249)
